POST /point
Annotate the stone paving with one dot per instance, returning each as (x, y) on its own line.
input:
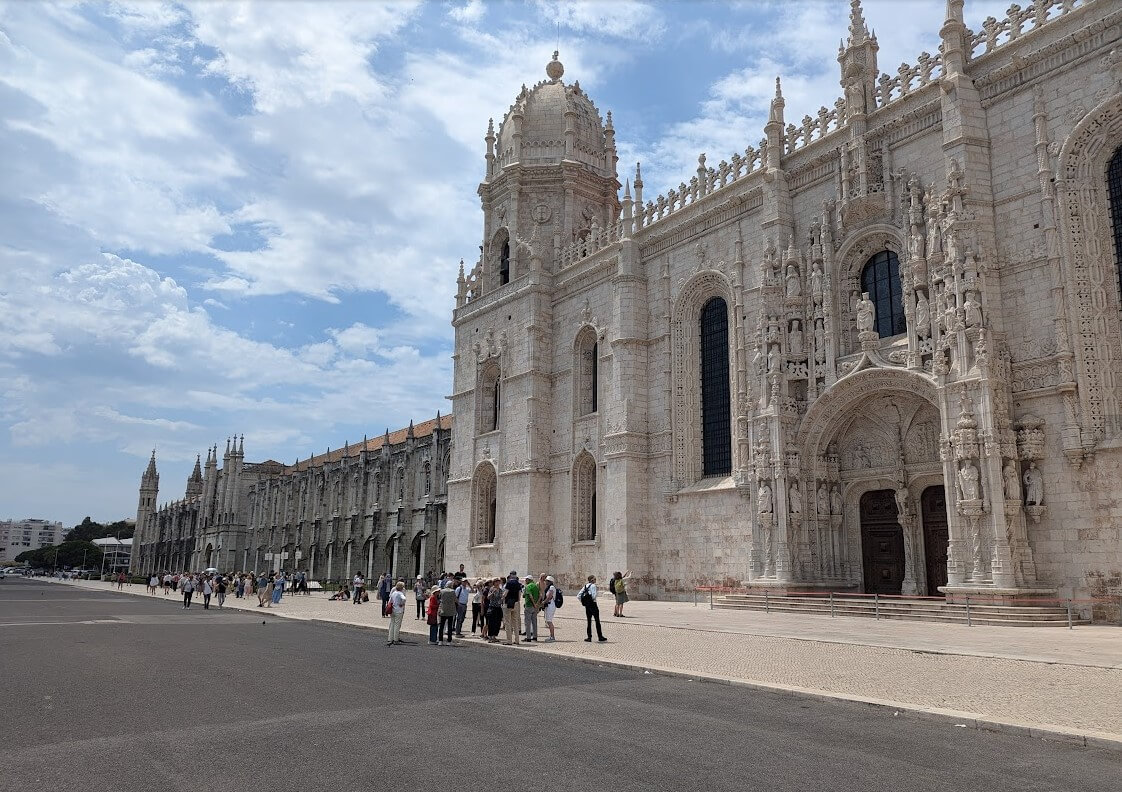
(1050, 678)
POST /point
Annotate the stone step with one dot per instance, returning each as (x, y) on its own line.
(918, 610)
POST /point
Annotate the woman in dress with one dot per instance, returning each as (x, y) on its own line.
(619, 588)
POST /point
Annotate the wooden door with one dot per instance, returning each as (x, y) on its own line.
(933, 506)
(882, 543)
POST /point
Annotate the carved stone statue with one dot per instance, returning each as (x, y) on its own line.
(823, 500)
(819, 341)
(903, 501)
(972, 311)
(795, 498)
(794, 285)
(758, 363)
(763, 500)
(1034, 486)
(866, 314)
(795, 337)
(1012, 481)
(968, 480)
(816, 283)
(923, 316)
(836, 500)
(773, 359)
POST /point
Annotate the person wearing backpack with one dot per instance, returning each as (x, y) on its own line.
(619, 589)
(512, 593)
(587, 597)
(550, 603)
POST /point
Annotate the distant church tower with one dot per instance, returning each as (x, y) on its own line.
(145, 507)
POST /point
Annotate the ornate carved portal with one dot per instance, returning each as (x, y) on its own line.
(936, 537)
(882, 543)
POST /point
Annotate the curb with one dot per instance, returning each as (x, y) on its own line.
(1084, 739)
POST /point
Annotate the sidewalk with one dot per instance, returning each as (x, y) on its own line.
(1020, 679)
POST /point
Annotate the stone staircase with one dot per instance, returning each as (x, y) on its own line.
(917, 609)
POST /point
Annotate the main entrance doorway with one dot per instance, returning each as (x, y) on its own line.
(936, 537)
(882, 543)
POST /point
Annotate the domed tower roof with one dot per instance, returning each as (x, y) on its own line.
(553, 121)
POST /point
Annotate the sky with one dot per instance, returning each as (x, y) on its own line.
(225, 218)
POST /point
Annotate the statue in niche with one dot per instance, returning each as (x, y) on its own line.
(816, 284)
(866, 314)
(861, 457)
(1034, 486)
(923, 316)
(903, 501)
(823, 500)
(968, 480)
(763, 500)
(1012, 481)
(758, 362)
(794, 285)
(836, 500)
(773, 359)
(972, 311)
(795, 337)
(795, 499)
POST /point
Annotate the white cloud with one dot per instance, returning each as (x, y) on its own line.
(470, 13)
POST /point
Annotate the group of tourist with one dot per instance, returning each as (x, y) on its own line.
(512, 604)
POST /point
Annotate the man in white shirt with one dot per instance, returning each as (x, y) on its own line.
(359, 583)
(587, 597)
(397, 603)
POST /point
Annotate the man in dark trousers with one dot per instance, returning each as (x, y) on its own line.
(587, 597)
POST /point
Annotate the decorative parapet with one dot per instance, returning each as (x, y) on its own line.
(909, 78)
(1017, 22)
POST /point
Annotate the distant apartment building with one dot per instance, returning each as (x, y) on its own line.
(18, 536)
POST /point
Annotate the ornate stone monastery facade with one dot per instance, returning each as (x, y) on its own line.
(878, 350)
(376, 506)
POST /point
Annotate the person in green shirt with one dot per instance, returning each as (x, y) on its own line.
(532, 603)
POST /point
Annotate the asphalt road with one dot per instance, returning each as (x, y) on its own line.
(121, 693)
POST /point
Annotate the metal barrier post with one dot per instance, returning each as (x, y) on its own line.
(710, 599)
(1069, 614)
(968, 624)
(831, 604)
(876, 604)
(767, 603)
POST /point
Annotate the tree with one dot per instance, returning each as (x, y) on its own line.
(88, 529)
(69, 554)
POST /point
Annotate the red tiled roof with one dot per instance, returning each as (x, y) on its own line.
(423, 429)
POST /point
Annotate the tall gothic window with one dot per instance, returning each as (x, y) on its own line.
(584, 498)
(716, 423)
(586, 372)
(1114, 188)
(401, 483)
(483, 504)
(881, 279)
(490, 398)
(428, 478)
(504, 264)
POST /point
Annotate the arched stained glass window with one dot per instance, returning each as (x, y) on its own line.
(881, 279)
(716, 422)
(1114, 188)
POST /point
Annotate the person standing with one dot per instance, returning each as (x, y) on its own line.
(619, 589)
(120, 580)
(167, 583)
(208, 590)
(512, 593)
(264, 590)
(359, 584)
(447, 613)
(463, 596)
(419, 593)
(432, 609)
(587, 597)
(477, 607)
(278, 587)
(187, 584)
(220, 589)
(385, 584)
(549, 600)
(397, 612)
(494, 610)
(531, 604)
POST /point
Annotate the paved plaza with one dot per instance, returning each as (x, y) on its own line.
(1011, 678)
(134, 693)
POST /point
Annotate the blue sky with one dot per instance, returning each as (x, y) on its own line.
(231, 217)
